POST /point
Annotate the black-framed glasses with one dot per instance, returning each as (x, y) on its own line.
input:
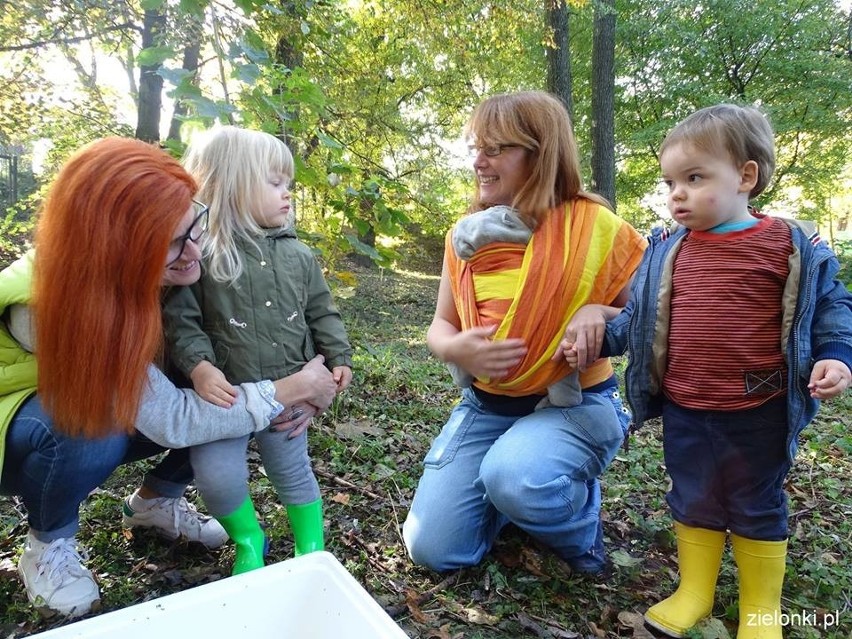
(196, 231)
(490, 150)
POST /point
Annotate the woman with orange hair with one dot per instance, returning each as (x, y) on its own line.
(118, 225)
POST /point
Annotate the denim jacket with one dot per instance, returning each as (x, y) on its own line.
(816, 324)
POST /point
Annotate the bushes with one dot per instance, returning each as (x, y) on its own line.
(843, 249)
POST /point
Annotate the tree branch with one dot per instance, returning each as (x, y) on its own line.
(66, 41)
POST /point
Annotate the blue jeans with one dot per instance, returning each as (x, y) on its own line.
(728, 468)
(539, 471)
(54, 473)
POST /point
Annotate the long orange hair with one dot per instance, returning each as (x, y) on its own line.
(101, 248)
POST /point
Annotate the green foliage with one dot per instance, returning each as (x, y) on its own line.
(843, 250)
(371, 92)
(679, 56)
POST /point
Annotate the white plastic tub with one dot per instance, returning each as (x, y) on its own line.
(311, 597)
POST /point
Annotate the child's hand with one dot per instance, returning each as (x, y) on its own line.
(584, 335)
(342, 377)
(569, 351)
(210, 383)
(829, 378)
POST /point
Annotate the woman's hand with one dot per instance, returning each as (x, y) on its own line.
(475, 352)
(314, 385)
(584, 335)
(294, 420)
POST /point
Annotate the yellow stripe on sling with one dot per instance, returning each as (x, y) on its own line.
(493, 286)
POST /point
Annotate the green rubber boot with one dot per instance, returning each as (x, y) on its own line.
(306, 522)
(250, 541)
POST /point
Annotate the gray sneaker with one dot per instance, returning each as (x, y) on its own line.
(55, 578)
(173, 517)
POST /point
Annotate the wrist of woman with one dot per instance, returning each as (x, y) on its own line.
(267, 391)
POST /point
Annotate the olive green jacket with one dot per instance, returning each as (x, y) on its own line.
(18, 371)
(276, 317)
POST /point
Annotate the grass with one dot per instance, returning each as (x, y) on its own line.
(367, 452)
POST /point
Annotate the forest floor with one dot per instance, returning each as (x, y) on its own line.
(367, 453)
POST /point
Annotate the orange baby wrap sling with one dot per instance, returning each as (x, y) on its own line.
(581, 253)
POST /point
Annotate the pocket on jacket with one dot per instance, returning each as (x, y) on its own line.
(309, 351)
(221, 352)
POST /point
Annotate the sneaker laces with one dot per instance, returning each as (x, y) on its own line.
(185, 513)
(63, 558)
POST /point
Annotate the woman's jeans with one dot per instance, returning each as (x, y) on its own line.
(539, 472)
(54, 473)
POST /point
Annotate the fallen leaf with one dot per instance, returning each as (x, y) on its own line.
(8, 568)
(529, 625)
(480, 617)
(636, 622)
(713, 628)
(357, 428)
(621, 558)
(439, 633)
(413, 606)
(531, 561)
(341, 498)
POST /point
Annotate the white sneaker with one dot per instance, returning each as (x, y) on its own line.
(173, 517)
(55, 578)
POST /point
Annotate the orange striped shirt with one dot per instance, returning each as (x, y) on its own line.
(724, 350)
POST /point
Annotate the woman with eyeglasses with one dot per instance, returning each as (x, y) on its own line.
(118, 225)
(523, 445)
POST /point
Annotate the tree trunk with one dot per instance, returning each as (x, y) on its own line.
(290, 57)
(150, 84)
(559, 81)
(366, 204)
(603, 100)
(191, 55)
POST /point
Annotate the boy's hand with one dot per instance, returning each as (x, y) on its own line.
(210, 383)
(829, 378)
(584, 335)
(342, 377)
(569, 352)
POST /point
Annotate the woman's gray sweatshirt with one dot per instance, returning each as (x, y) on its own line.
(177, 417)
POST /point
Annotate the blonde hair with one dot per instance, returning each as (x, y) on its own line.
(741, 131)
(538, 122)
(231, 166)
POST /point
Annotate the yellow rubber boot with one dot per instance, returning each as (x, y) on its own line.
(699, 555)
(761, 566)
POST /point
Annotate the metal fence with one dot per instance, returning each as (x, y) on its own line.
(8, 180)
